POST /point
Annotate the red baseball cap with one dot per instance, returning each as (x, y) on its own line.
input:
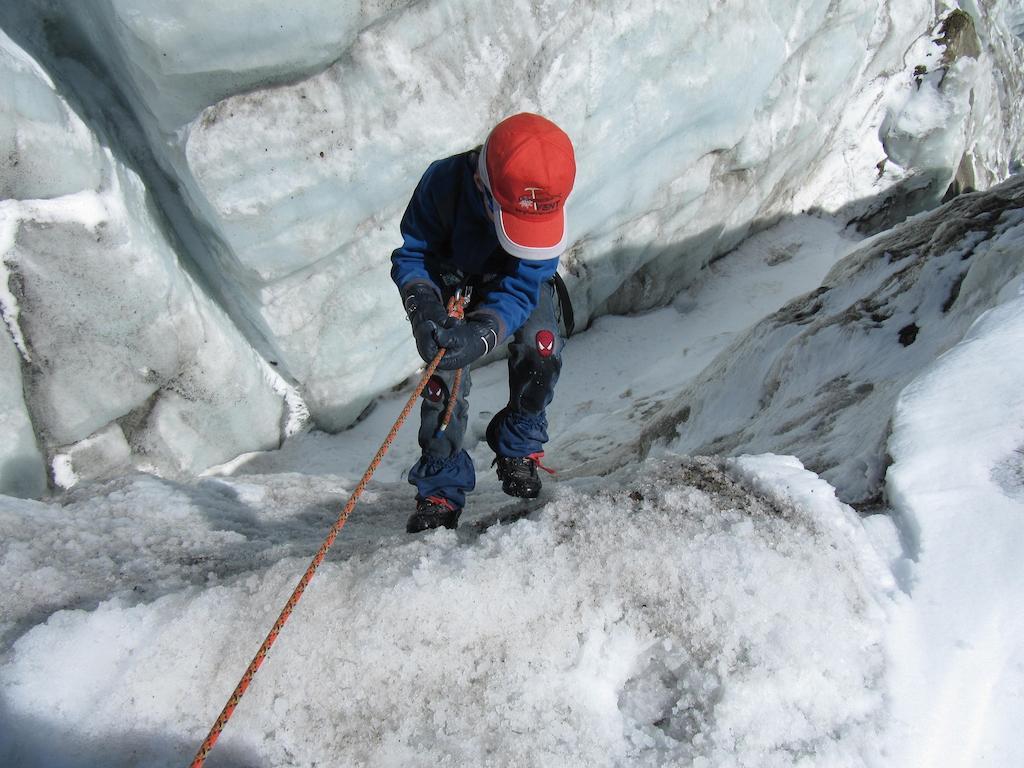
(528, 167)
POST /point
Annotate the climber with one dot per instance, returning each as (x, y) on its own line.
(490, 221)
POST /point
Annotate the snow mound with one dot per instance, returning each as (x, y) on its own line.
(957, 486)
(688, 611)
(829, 366)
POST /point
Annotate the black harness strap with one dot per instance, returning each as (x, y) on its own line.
(565, 305)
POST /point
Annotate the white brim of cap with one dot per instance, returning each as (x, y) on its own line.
(525, 252)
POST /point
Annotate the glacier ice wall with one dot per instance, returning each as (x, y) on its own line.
(680, 148)
(693, 124)
(119, 358)
(178, 58)
(290, 138)
(957, 113)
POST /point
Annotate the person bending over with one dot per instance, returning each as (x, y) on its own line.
(489, 222)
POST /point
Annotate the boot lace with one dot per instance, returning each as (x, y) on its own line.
(536, 457)
(441, 501)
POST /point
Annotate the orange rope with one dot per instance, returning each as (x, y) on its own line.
(455, 308)
(453, 398)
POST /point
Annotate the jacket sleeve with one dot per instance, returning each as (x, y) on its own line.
(517, 295)
(422, 233)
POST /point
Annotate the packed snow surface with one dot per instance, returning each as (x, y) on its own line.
(957, 480)
(672, 612)
(563, 638)
(654, 627)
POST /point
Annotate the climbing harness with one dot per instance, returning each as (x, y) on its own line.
(456, 309)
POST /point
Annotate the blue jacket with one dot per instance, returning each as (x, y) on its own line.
(448, 240)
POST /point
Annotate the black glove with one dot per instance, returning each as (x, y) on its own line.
(466, 342)
(425, 311)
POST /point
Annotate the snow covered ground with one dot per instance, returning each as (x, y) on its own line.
(957, 483)
(670, 612)
(820, 377)
(640, 618)
(647, 621)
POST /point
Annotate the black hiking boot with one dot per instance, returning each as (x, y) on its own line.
(433, 512)
(518, 475)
